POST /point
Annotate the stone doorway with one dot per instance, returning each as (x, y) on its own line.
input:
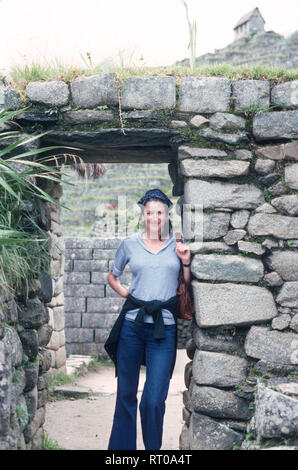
(90, 306)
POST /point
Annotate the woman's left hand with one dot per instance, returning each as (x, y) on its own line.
(183, 251)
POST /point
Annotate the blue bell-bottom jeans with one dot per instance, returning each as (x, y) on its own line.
(159, 357)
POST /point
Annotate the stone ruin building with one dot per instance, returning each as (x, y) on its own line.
(252, 21)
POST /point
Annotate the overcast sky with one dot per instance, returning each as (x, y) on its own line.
(156, 30)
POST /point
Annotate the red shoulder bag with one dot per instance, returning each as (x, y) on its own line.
(186, 302)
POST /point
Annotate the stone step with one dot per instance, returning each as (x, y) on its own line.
(72, 391)
(75, 362)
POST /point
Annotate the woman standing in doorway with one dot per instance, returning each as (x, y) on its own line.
(146, 330)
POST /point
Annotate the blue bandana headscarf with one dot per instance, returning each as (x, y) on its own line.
(156, 193)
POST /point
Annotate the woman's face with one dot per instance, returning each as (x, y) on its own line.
(155, 216)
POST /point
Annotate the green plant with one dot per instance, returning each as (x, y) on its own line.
(61, 379)
(49, 443)
(103, 361)
(24, 246)
(19, 76)
(267, 195)
(254, 108)
(121, 57)
(96, 362)
(256, 373)
(192, 29)
(23, 255)
(249, 436)
(22, 414)
(119, 87)
(88, 61)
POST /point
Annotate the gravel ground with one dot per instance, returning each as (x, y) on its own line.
(85, 423)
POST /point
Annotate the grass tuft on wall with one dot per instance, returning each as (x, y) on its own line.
(20, 75)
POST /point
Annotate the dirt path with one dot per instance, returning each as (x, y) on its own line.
(85, 423)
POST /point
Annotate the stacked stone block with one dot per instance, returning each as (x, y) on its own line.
(274, 424)
(25, 361)
(91, 306)
(56, 345)
(244, 269)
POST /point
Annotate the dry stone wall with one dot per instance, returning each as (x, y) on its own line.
(234, 154)
(26, 327)
(91, 306)
(56, 345)
(245, 277)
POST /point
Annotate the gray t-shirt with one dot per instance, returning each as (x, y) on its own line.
(154, 276)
